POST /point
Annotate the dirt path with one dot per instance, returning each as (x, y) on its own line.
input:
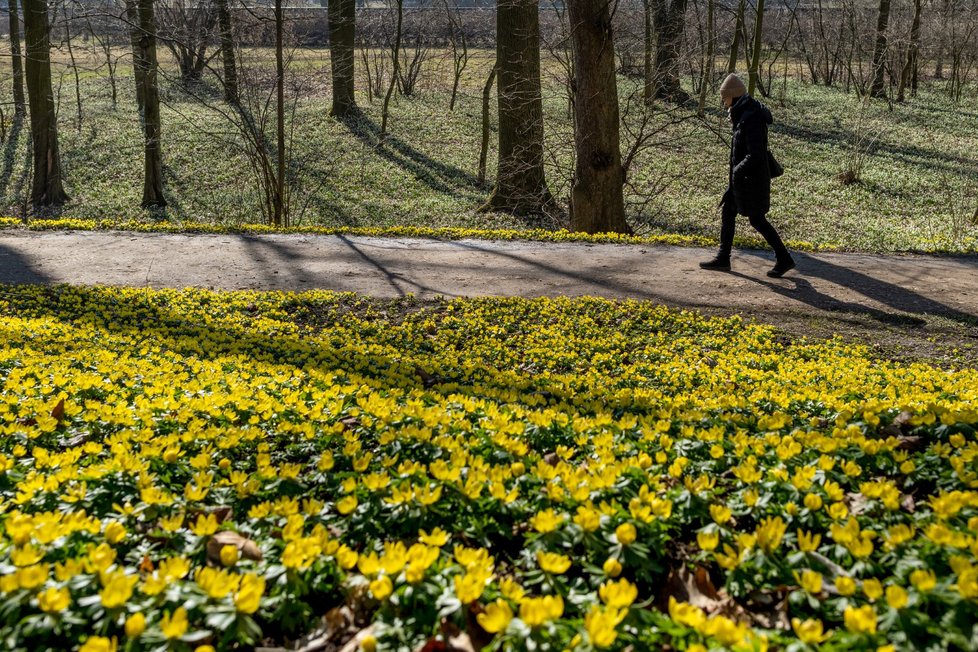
(926, 298)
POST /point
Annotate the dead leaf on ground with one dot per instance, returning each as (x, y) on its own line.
(908, 503)
(58, 412)
(247, 548)
(857, 503)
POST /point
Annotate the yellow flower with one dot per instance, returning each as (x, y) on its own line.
(720, 513)
(369, 643)
(537, 611)
(250, 591)
(600, 625)
(469, 587)
(873, 589)
(175, 625)
(437, 538)
(204, 648)
(809, 631)
(612, 567)
(846, 586)
(381, 587)
(135, 625)
(708, 540)
(810, 581)
(229, 555)
(770, 532)
(204, 525)
(117, 589)
(100, 644)
(217, 584)
(923, 580)
(54, 600)
(813, 502)
(553, 563)
(511, 589)
(896, 597)
(686, 614)
(115, 532)
(808, 541)
(861, 620)
(618, 595)
(32, 577)
(546, 521)
(346, 504)
(496, 616)
(626, 534)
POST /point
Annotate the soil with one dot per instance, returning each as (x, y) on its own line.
(910, 307)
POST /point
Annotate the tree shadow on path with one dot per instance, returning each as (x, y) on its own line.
(900, 299)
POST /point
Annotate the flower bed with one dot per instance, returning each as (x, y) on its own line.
(190, 469)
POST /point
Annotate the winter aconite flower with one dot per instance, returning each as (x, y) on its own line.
(626, 534)
(496, 617)
(175, 624)
(861, 620)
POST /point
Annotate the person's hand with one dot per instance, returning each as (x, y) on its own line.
(726, 198)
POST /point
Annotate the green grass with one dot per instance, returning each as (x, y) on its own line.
(918, 191)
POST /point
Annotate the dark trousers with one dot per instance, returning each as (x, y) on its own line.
(759, 222)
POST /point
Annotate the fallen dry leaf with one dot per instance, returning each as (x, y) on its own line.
(247, 548)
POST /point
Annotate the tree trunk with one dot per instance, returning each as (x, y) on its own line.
(385, 112)
(153, 154)
(670, 25)
(521, 186)
(755, 63)
(132, 17)
(738, 30)
(484, 145)
(342, 40)
(47, 189)
(907, 75)
(16, 60)
(709, 62)
(878, 88)
(649, 89)
(227, 52)
(74, 66)
(597, 201)
(280, 216)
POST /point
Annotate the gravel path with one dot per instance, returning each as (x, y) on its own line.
(878, 286)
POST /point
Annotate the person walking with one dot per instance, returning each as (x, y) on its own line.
(749, 184)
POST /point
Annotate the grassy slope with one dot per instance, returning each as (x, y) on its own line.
(921, 181)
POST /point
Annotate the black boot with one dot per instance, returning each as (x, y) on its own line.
(720, 263)
(781, 268)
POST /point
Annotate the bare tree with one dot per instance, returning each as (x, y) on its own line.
(385, 112)
(15, 58)
(908, 75)
(147, 64)
(521, 186)
(669, 21)
(226, 29)
(460, 49)
(755, 62)
(185, 27)
(484, 145)
(597, 200)
(878, 88)
(342, 39)
(47, 189)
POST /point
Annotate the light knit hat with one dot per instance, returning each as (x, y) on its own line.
(732, 87)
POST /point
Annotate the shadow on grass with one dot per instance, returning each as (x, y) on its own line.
(438, 176)
(9, 154)
(910, 154)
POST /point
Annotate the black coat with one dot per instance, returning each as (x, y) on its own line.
(750, 178)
